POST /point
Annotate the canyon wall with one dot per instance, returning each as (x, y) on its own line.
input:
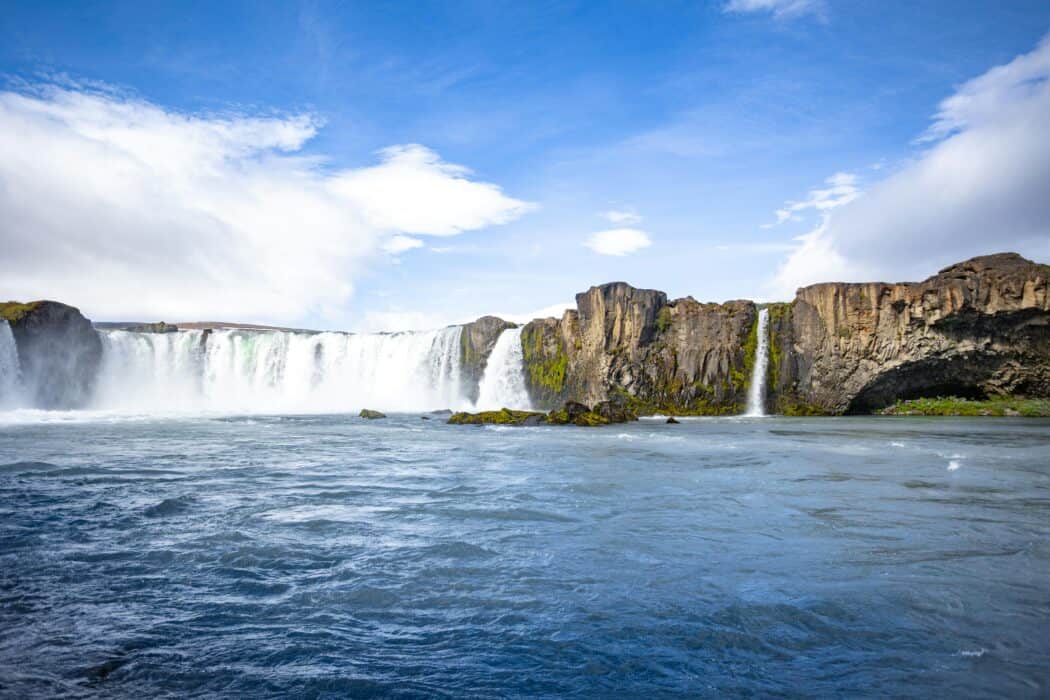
(977, 328)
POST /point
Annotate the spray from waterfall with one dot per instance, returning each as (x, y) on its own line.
(503, 384)
(756, 394)
(10, 370)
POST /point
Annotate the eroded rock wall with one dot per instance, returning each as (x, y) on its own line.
(977, 328)
(620, 342)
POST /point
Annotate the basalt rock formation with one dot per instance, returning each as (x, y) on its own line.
(475, 345)
(679, 356)
(978, 328)
(58, 350)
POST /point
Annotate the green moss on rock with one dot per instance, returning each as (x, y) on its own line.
(504, 416)
(663, 319)
(15, 311)
(546, 373)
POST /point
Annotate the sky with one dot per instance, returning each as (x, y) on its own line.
(393, 166)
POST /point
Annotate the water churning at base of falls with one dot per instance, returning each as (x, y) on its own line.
(282, 371)
(503, 385)
(756, 394)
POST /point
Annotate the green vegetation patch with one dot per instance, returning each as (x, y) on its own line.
(952, 406)
(15, 311)
(546, 373)
(663, 319)
(741, 377)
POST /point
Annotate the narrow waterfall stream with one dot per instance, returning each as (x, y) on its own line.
(503, 384)
(756, 393)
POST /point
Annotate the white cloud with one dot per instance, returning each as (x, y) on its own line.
(841, 189)
(980, 188)
(399, 244)
(618, 241)
(781, 9)
(130, 210)
(625, 217)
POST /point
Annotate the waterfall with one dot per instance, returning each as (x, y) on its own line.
(756, 394)
(10, 370)
(503, 384)
(280, 371)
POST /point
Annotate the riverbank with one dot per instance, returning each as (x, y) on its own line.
(952, 406)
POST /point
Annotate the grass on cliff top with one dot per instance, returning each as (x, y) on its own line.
(951, 406)
(14, 311)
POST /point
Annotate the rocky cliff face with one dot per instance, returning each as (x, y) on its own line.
(633, 344)
(977, 328)
(58, 350)
(475, 346)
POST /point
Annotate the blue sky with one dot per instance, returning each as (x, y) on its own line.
(693, 123)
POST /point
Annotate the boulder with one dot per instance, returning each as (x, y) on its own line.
(370, 414)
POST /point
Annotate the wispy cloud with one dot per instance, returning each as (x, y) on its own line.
(618, 241)
(781, 9)
(624, 217)
(133, 210)
(841, 189)
(980, 187)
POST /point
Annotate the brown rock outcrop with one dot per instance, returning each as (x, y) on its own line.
(977, 328)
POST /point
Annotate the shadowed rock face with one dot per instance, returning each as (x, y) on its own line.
(59, 352)
(475, 345)
(977, 328)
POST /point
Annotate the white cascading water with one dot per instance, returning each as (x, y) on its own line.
(503, 384)
(756, 394)
(284, 371)
(277, 371)
(10, 370)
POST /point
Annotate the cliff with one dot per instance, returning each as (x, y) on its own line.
(680, 356)
(978, 328)
(58, 350)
